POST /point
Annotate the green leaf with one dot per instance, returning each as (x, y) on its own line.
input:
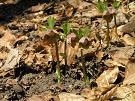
(101, 6)
(80, 33)
(66, 28)
(116, 4)
(43, 29)
(86, 31)
(51, 22)
(76, 33)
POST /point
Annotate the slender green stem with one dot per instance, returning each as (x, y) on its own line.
(83, 67)
(108, 37)
(65, 55)
(58, 63)
(116, 34)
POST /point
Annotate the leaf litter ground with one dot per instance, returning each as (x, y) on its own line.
(27, 67)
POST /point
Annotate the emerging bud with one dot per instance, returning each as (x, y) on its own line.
(51, 32)
(108, 14)
(84, 42)
(72, 39)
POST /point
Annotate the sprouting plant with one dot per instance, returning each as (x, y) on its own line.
(66, 28)
(51, 37)
(84, 42)
(116, 5)
(108, 16)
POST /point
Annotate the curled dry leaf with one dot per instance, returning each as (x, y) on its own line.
(107, 77)
(129, 74)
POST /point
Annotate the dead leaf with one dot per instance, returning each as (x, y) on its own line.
(107, 77)
(129, 74)
(100, 93)
(124, 93)
(37, 8)
(7, 39)
(3, 55)
(70, 97)
(29, 60)
(100, 55)
(128, 40)
(12, 60)
(46, 97)
(123, 55)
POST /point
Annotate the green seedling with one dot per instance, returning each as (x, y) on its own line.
(116, 5)
(51, 37)
(102, 8)
(66, 28)
(84, 42)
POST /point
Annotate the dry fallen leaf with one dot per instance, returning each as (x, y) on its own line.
(124, 93)
(129, 74)
(37, 8)
(46, 97)
(12, 60)
(107, 77)
(123, 54)
(128, 40)
(70, 97)
(8, 39)
(30, 59)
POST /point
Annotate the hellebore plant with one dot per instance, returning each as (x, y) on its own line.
(107, 14)
(51, 37)
(66, 28)
(84, 42)
(116, 5)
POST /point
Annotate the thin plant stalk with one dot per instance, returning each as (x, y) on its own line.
(58, 63)
(116, 34)
(108, 37)
(65, 55)
(83, 67)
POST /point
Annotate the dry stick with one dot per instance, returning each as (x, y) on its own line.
(108, 37)
(116, 34)
(58, 63)
(83, 67)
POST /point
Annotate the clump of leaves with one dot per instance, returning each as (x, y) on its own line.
(84, 43)
(66, 28)
(52, 37)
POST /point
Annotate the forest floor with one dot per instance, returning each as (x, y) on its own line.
(28, 66)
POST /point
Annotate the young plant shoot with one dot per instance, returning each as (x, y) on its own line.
(51, 37)
(108, 16)
(66, 28)
(84, 43)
